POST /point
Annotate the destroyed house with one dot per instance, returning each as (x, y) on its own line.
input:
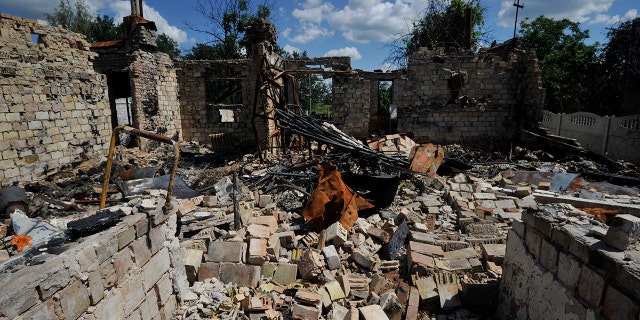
(320, 221)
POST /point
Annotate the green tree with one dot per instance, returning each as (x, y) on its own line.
(607, 92)
(227, 22)
(167, 45)
(202, 51)
(568, 64)
(385, 96)
(103, 28)
(443, 24)
(314, 93)
(73, 16)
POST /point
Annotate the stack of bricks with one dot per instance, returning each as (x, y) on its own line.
(131, 271)
(577, 271)
(54, 108)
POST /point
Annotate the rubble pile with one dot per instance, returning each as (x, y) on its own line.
(331, 236)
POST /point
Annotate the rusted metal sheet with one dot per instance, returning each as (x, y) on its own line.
(601, 214)
(333, 200)
(426, 158)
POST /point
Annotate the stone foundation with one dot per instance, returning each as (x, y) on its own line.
(554, 270)
(134, 270)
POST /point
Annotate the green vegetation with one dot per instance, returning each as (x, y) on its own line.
(227, 23)
(578, 76)
(77, 18)
(443, 24)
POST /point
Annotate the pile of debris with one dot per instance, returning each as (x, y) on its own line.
(343, 235)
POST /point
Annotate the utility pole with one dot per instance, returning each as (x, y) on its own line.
(516, 3)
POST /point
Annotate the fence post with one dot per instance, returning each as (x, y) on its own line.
(559, 124)
(605, 139)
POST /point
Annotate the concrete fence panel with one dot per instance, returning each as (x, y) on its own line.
(615, 137)
(588, 128)
(623, 141)
(552, 121)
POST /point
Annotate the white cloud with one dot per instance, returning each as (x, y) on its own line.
(291, 49)
(312, 12)
(310, 32)
(372, 20)
(611, 20)
(359, 21)
(574, 10)
(345, 52)
(388, 67)
(123, 8)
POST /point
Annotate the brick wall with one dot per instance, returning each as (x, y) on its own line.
(54, 108)
(351, 104)
(196, 124)
(131, 271)
(558, 270)
(154, 88)
(503, 96)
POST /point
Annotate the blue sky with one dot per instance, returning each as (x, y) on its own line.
(361, 29)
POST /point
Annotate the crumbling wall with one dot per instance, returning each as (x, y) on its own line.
(380, 121)
(53, 107)
(351, 103)
(558, 270)
(134, 270)
(200, 120)
(154, 91)
(464, 97)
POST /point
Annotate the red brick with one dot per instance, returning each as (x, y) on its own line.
(420, 263)
(241, 274)
(123, 264)
(618, 306)
(258, 231)
(257, 251)
(208, 270)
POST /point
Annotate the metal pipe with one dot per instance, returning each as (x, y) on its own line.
(145, 134)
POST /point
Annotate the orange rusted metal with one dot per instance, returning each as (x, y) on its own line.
(426, 158)
(604, 215)
(333, 200)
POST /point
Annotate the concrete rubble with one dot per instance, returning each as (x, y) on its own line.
(437, 252)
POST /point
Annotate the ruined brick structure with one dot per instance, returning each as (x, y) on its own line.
(53, 106)
(554, 270)
(464, 97)
(200, 119)
(135, 70)
(441, 97)
(447, 97)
